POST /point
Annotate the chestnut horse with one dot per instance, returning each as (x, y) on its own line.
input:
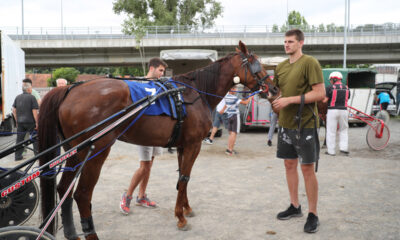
(67, 112)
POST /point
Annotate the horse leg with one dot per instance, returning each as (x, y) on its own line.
(66, 207)
(187, 210)
(84, 191)
(188, 155)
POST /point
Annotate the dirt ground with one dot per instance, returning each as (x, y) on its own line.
(238, 197)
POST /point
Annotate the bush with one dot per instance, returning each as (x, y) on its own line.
(68, 73)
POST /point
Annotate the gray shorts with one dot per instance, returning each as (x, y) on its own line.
(147, 152)
(218, 118)
(306, 149)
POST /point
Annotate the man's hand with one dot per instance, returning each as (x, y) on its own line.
(280, 103)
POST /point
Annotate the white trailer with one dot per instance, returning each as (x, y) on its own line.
(12, 72)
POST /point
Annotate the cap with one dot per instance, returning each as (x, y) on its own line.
(335, 75)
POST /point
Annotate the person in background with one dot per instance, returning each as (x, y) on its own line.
(25, 111)
(231, 109)
(146, 156)
(384, 100)
(300, 79)
(337, 95)
(34, 92)
(61, 82)
(218, 117)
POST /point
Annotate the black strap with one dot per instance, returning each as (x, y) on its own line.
(179, 116)
(299, 128)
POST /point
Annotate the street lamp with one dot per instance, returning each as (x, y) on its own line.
(62, 25)
(22, 8)
(346, 27)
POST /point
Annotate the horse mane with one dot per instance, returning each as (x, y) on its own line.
(206, 79)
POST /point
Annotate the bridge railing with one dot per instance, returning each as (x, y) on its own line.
(116, 32)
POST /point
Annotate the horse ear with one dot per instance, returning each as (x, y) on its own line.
(237, 50)
(243, 47)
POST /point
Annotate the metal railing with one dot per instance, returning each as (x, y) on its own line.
(115, 32)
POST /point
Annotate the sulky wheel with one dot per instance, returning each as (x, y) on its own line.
(384, 116)
(17, 207)
(375, 141)
(23, 232)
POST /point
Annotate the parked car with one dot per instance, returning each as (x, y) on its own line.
(391, 89)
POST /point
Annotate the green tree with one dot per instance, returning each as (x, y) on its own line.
(68, 73)
(275, 28)
(295, 20)
(321, 28)
(144, 13)
(169, 12)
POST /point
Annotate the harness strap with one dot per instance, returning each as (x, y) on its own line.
(177, 99)
(299, 128)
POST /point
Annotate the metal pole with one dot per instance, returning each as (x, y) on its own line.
(287, 13)
(345, 34)
(22, 6)
(62, 24)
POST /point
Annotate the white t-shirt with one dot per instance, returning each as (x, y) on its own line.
(220, 105)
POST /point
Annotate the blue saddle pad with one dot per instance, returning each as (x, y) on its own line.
(161, 105)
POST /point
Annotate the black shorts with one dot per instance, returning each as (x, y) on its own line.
(306, 148)
(233, 123)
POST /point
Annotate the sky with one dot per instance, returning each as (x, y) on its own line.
(99, 13)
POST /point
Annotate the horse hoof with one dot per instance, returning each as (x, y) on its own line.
(185, 227)
(92, 237)
(189, 214)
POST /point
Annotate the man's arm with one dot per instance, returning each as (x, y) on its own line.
(246, 101)
(223, 110)
(35, 115)
(315, 95)
(14, 111)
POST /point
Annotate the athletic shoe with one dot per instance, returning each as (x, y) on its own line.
(346, 153)
(229, 152)
(208, 141)
(125, 203)
(290, 212)
(145, 202)
(269, 143)
(330, 154)
(312, 223)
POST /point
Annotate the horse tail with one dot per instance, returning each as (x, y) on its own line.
(47, 137)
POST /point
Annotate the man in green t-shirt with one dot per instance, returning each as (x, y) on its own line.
(298, 76)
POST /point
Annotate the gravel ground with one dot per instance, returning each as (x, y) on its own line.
(238, 197)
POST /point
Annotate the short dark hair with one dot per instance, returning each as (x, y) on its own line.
(27, 80)
(156, 62)
(295, 32)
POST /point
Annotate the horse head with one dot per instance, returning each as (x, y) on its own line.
(252, 74)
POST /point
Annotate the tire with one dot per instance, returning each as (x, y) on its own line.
(8, 126)
(19, 206)
(23, 232)
(218, 133)
(363, 124)
(383, 115)
(243, 128)
(378, 143)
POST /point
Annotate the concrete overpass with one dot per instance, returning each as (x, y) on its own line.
(118, 49)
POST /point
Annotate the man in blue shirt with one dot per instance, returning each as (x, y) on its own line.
(384, 100)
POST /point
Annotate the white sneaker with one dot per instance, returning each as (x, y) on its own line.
(208, 141)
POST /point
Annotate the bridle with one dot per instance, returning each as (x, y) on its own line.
(255, 70)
